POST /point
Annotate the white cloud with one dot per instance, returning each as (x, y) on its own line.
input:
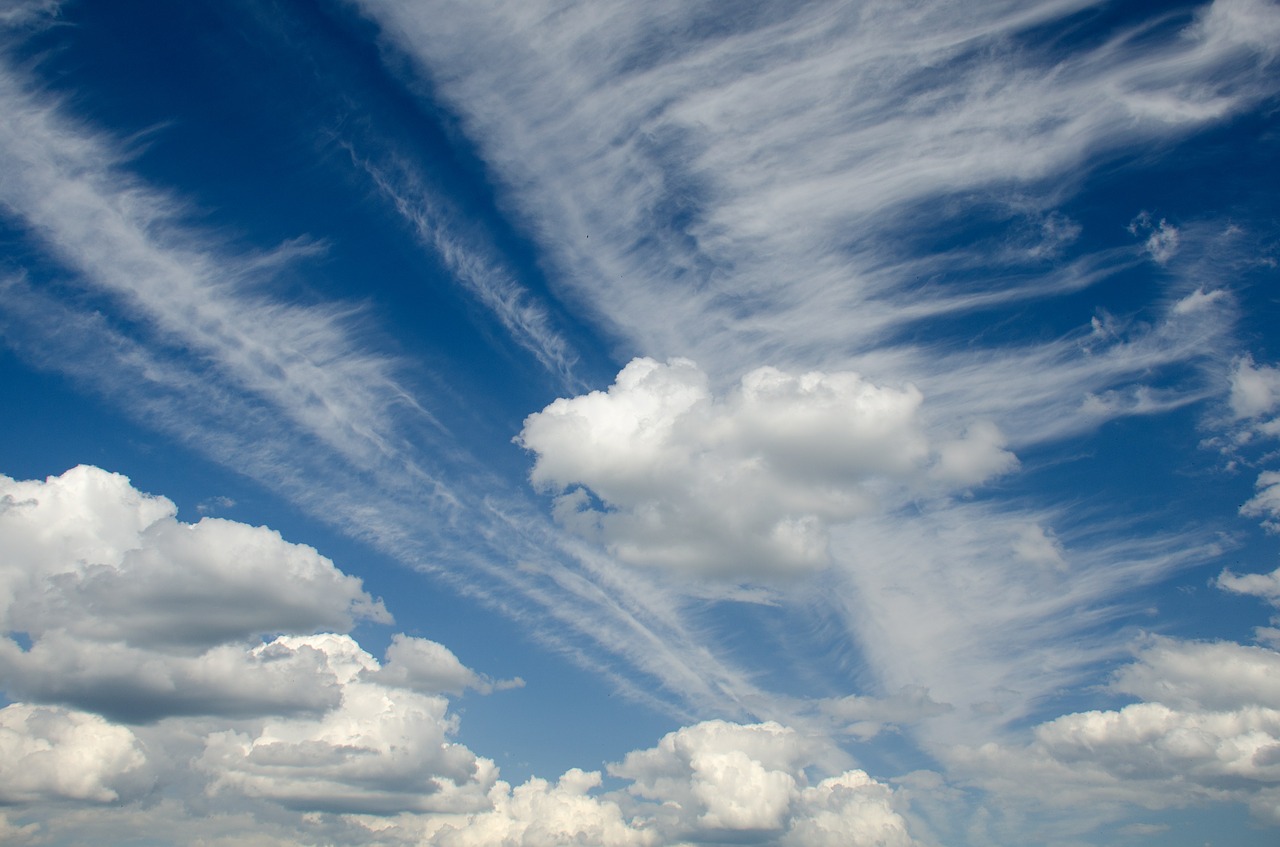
(380, 750)
(539, 814)
(1266, 503)
(814, 140)
(724, 781)
(133, 613)
(1162, 237)
(1266, 586)
(1255, 390)
(1207, 729)
(50, 753)
(746, 484)
(473, 264)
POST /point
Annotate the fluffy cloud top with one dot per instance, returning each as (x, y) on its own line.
(747, 483)
(1207, 728)
(713, 782)
(52, 753)
(380, 750)
(129, 612)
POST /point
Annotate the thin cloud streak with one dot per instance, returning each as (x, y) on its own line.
(473, 265)
(208, 335)
(787, 145)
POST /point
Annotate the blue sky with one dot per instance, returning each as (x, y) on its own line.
(667, 423)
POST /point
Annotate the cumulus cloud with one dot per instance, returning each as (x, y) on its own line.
(380, 750)
(1207, 727)
(1255, 389)
(112, 604)
(541, 814)
(724, 781)
(51, 753)
(747, 483)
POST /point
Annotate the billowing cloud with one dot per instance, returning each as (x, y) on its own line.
(743, 484)
(541, 814)
(723, 781)
(112, 604)
(713, 782)
(1207, 728)
(50, 753)
(380, 750)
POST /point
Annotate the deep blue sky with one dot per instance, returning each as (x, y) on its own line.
(826, 422)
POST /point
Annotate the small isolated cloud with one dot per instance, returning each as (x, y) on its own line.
(1255, 389)
(666, 474)
(1161, 238)
(214, 504)
(193, 657)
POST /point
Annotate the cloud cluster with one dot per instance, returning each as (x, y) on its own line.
(713, 782)
(139, 633)
(129, 612)
(179, 673)
(745, 484)
(1206, 727)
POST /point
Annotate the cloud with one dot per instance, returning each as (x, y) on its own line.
(1255, 390)
(1162, 238)
(473, 263)
(419, 664)
(707, 160)
(541, 814)
(745, 484)
(130, 612)
(380, 750)
(51, 753)
(1207, 728)
(725, 781)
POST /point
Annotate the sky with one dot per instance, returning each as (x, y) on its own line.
(474, 422)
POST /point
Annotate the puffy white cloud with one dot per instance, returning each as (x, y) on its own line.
(1255, 389)
(135, 685)
(132, 613)
(380, 750)
(539, 814)
(850, 809)
(720, 780)
(1207, 728)
(116, 607)
(747, 483)
(49, 753)
(91, 555)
